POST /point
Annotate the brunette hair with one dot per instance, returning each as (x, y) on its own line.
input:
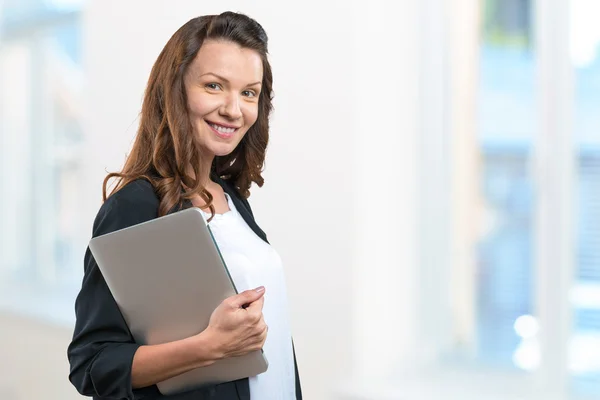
(166, 147)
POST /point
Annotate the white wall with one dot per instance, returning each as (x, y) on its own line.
(386, 148)
(339, 200)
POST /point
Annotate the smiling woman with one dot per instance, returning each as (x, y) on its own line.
(223, 105)
(201, 142)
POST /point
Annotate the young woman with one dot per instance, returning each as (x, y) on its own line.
(201, 143)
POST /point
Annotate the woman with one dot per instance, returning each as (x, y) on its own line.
(201, 142)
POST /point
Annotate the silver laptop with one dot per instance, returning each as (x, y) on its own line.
(167, 277)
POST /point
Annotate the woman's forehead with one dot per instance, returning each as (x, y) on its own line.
(228, 60)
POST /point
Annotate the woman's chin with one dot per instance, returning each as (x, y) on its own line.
(221, 149)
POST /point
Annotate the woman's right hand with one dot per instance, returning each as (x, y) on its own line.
(237, 325)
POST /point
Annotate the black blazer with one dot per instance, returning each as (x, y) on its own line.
(102, 349)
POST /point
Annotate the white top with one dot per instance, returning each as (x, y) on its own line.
(253, 263)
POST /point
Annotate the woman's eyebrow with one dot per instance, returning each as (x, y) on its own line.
(225, 79)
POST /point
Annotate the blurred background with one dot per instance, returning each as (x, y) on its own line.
(432, 184)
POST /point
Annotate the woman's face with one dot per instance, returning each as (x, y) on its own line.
(223, 84)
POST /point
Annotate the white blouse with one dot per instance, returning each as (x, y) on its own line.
(253, 263)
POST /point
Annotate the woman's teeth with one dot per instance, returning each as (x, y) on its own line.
(222, 128)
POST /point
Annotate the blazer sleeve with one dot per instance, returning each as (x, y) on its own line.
(101, 352)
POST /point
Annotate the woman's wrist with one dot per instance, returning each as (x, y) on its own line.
(207, 348)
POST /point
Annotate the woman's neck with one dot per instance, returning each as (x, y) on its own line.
(205, 178)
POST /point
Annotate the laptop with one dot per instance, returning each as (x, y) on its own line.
(167, 277)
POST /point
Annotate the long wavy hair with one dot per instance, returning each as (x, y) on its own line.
(166, 146)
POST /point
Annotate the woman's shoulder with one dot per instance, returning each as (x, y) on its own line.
(138, 193)
(134, 203)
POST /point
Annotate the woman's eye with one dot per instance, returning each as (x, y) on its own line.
(213, 86)
(249, 93)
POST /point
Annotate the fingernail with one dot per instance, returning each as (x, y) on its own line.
(259, 289)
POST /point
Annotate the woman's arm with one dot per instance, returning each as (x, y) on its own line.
(153, 364)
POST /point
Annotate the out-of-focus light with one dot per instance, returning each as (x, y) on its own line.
(585, 295)
(527, 355)
(585, 31)
(526, 326)
(584, 353)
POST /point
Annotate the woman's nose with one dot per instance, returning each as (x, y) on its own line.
(231, 108)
